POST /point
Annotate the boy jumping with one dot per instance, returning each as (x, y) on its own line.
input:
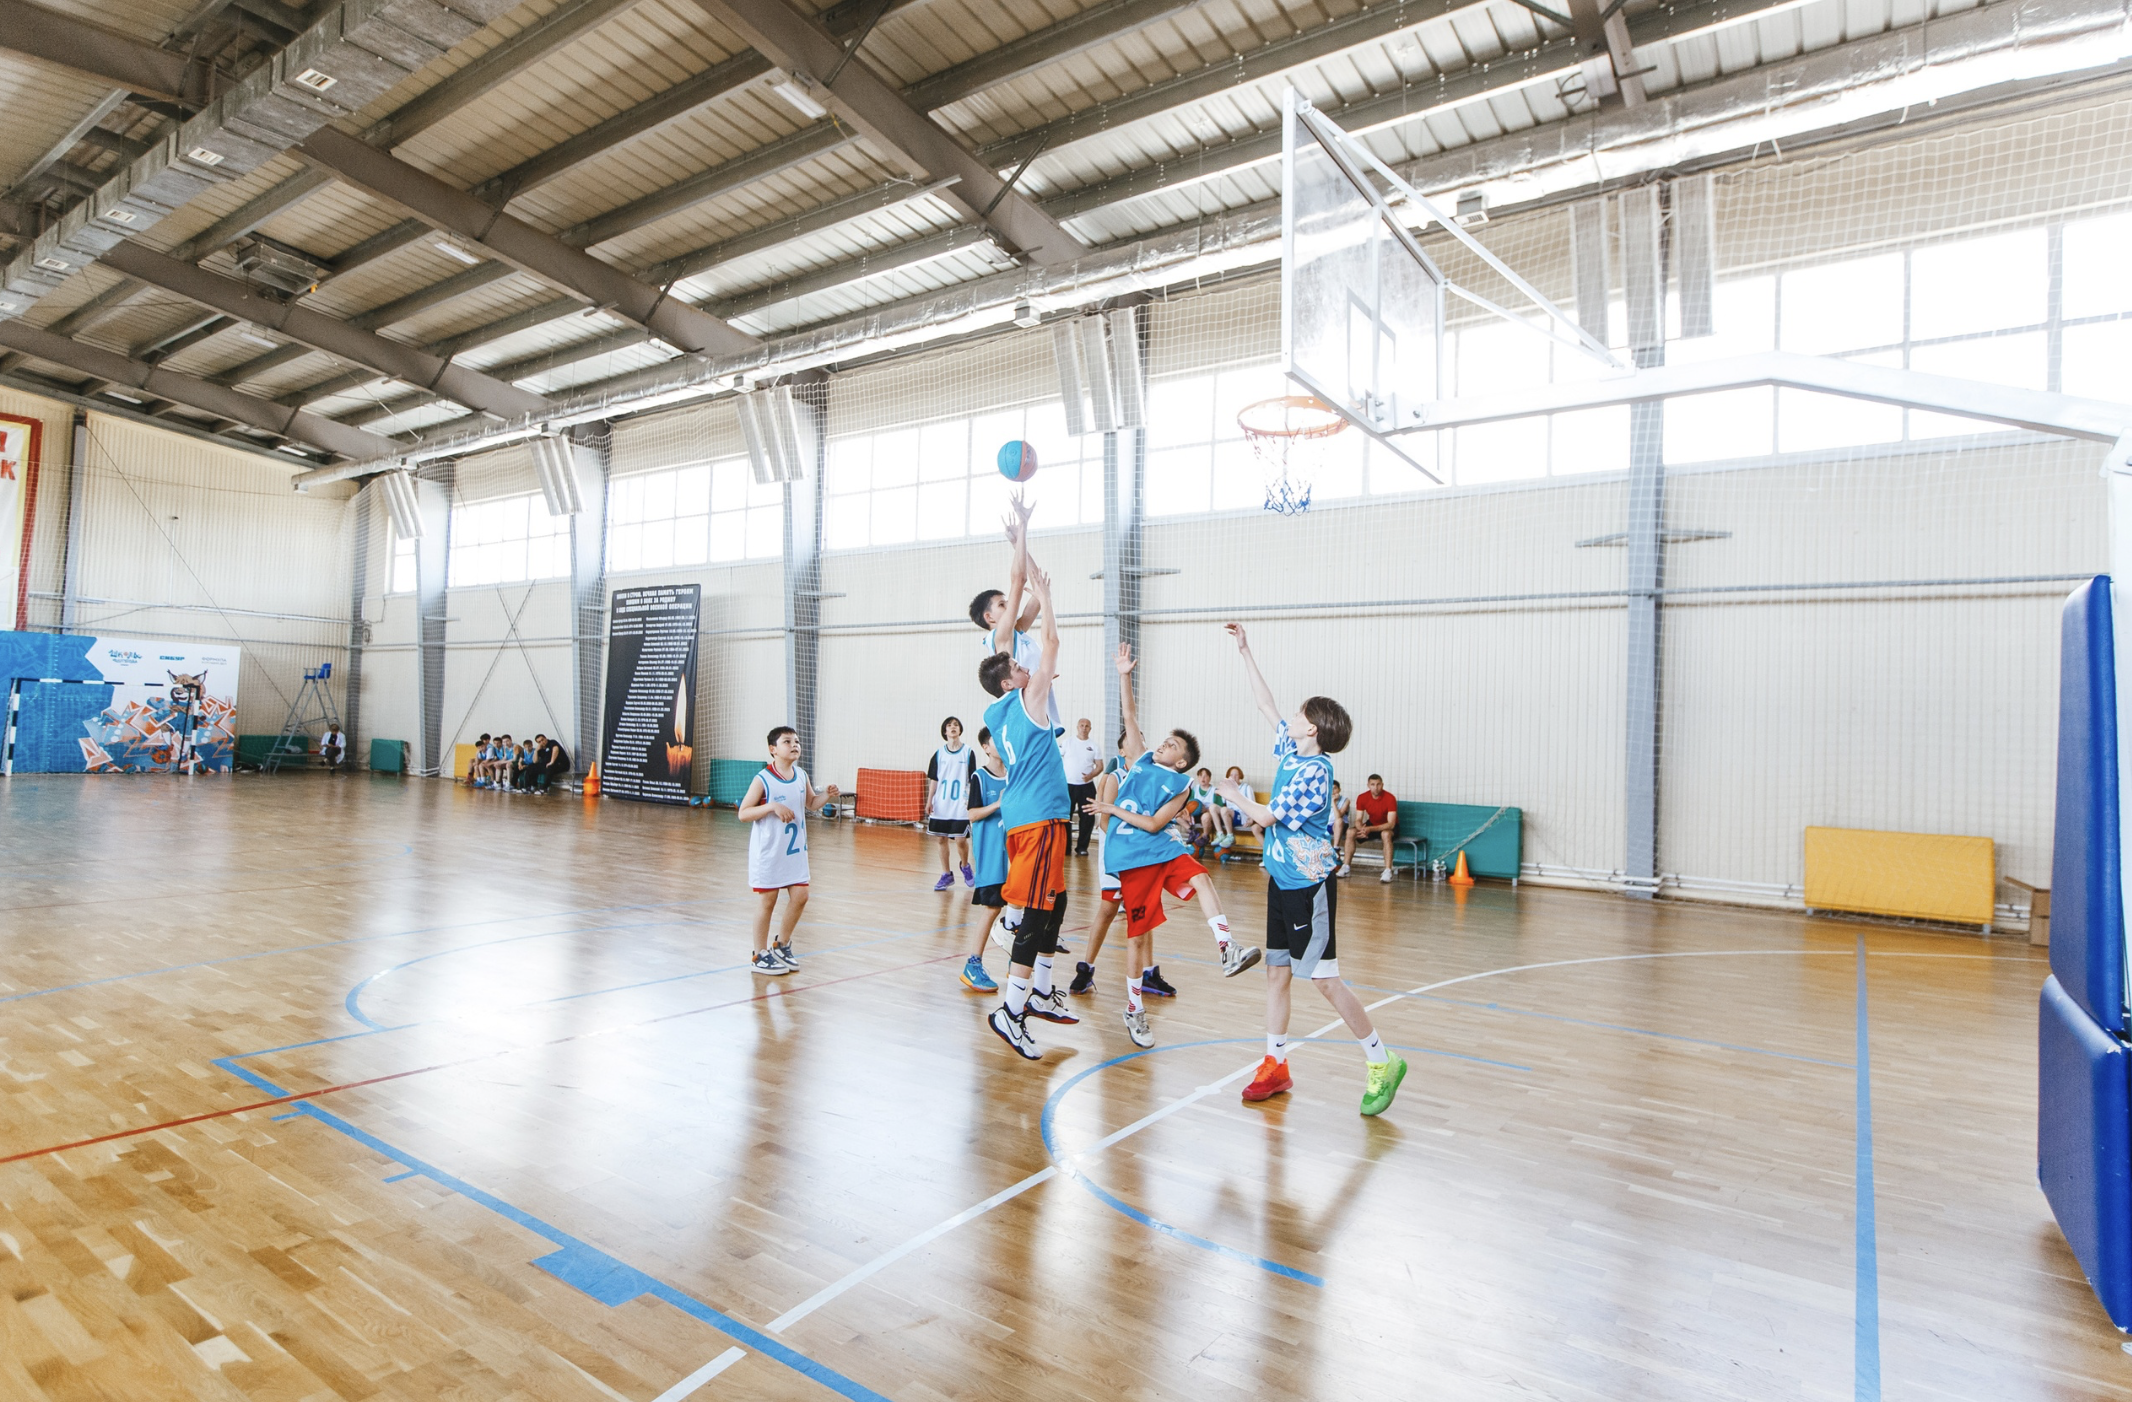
(1148, 857)
(1034, 810)
(1006, 623)
(1300, 891)
(777, 803)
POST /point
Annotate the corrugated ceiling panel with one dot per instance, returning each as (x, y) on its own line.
(41, 104)
(824, 178)
(150, 21)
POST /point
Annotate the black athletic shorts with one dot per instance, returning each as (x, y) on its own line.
(947, 827)
(989, 896)
(1299, 929)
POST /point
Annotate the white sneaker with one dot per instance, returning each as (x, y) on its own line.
(1237, 958)
(1136, 1027)
(1387, 877)
(785, 956)
(1344, 870)
(1010, 1030)
(767, 962)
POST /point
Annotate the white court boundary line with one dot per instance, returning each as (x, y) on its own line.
(702, 1375)
(1070, 1163)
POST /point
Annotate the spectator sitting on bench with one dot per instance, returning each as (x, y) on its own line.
(333, 748)
(502, 755)
(1376, 815)
(523, 763)
(1342, 814)
(478, 765)
(550, 763)
(1233, 821)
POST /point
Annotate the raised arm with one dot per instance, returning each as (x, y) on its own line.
(1018, 603)
(1260, 692)
(1037, 694)
(1135, 745)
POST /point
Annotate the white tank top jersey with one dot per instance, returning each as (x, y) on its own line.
(950, 774)
(777, 850)
(1027, 651)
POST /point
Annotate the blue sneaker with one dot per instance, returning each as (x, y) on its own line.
(947, 879)
(975, 978)
(969, 878)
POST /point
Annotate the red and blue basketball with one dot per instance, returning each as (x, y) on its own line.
(1017, 461)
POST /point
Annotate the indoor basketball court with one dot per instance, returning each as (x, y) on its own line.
(688, 682)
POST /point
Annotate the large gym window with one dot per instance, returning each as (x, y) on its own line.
(706, 513)
(508, 541)
(940, 481)
(403, 565)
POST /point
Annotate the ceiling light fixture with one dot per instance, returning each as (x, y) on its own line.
(452, 250)
(120, 216)
(129, 398)
(204, 156)
(796, 90)
(315, 80)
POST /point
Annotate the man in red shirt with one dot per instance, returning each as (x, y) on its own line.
(1376, 815)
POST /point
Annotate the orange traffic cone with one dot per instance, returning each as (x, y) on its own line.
(1461, 877)
(592, 782)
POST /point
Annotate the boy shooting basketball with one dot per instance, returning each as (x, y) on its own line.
(1300, 861)
(1004, 617)
(777, 803)
(1034, 809)
(1148, 857)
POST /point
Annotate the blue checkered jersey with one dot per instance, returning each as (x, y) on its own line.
(1144, 789)
(1036, 776)
(1298, 847)
(988, 836)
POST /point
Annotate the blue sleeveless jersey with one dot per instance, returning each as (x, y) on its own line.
(988, 836)
(1298, 849)
(1145, 788)
(1036, 776)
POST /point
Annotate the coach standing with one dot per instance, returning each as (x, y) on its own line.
(1082, 765)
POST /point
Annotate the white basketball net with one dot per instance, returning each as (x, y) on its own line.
(1290, 436)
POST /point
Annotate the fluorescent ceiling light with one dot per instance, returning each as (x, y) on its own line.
(793, 91)
(251, 333)
(453, 250)
(129, 398)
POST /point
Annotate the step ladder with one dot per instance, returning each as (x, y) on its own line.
(313, 706)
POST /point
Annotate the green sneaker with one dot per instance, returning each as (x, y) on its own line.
(1383, 1085)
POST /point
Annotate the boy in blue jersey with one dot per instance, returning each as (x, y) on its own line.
(1300, 861)
(988, 851)
(1149, 857)
(1034, 809)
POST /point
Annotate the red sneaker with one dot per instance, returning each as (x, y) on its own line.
(1271, 1080)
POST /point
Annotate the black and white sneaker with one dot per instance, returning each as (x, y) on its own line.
(1153, 982)
(1051, 1007)
(1236, 958)
(786, 956)
(767, 963)
(1136, 1027)
(1084, 979)
(1012, 1032)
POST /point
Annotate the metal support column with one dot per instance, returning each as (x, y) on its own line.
(592, 451)
(803, 565)
(1643, 291)
(1124, 542)
(77, 489)
(432, 553)
(358, 628)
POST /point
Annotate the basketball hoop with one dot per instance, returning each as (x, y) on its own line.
(1290, 435)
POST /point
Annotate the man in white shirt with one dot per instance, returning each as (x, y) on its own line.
(333, 748)
(1083, 763)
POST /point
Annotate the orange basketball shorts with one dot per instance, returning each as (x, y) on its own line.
(1036, 863)
(1143, 887)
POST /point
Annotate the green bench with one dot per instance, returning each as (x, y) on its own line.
(1492, 838)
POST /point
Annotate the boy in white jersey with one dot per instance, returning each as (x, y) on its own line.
(1149, 858)
(950, 783)
(1006, 623)
(777, 803)
(1300, 892)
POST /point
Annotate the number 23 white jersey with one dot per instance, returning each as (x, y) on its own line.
(777, 850)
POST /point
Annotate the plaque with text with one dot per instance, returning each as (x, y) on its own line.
(649, 740)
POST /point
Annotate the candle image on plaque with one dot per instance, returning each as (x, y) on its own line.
(679, 753)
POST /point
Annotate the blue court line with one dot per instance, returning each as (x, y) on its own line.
(1116, 1204)
(410, 1173)
(1866, 1345)
(577, 1263)
(1609, 1026)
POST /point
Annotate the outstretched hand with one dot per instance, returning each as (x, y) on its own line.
(1124, 661)
(829, 794)
(1040, 585)
(1019, 510)
(1236, 631)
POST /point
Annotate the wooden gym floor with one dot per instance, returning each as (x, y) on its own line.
(399, 1090)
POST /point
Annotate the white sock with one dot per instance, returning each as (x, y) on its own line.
(1277, 1045)
(1010, 920)
(1043, 975)
(1017, 995)
(1220, 924)
(1132, 996)
(1373, 1048)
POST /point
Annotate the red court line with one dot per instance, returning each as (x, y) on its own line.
(779, 991)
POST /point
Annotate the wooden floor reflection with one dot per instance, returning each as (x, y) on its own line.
(550, 1138)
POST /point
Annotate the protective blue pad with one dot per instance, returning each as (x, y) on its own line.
(50, 726)
(2087, 905)
(2084, 1145)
